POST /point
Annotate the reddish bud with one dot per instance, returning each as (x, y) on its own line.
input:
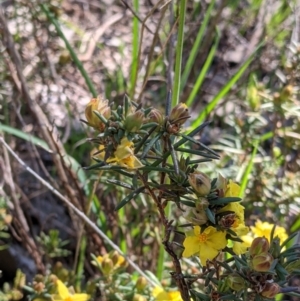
(156, 116)
(270, 290)
(262, 262)
(259, 245)
(179, 114)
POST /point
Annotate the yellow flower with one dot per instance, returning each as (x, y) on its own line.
(237, 208)
(160, 295)
(63, 294)
(264, 229)
(232, 189)
(100, 105)
(238, 227)
(207, 244)
(124, 156)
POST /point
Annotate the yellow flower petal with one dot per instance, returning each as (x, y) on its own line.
(236, 207)
(80, 297)
(160, 295)
(240, 247)
(124, 150)
(131, 162)
(62, 290)
(156, 291)
(217, 240)
(207, 253)
(232, 189)
(264, 229)
(191, 244)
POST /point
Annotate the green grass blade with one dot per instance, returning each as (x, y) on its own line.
(248, 170)
(224, 91)
(135, 50)
(195, 49)
(179, 48)
(74, 56)
(203, 72)
(162, 253)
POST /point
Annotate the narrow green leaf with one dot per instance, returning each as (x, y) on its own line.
(197, 152)
(179, 48)
(226, 200)
(76, 60)
(203, 72)
(248, 170)
(210, 215)
(191, 139)
(135, 50)
(120, 183)
(196, 46)
(224, 91)
(129, 197)
(150, 144)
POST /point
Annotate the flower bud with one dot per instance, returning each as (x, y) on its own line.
(200, 183)
(227, 221)
(114, 256)
(138, 297)
(141, 284)
(201, 204)
(179, 114)
(262, 262)
(270, 290)
(39, 278)
(286, 93)
(101, 106)
(38, 286)
(236, 282)
(259, 245)
(134, 121)
(107, 266)
(196, 217)
(53, 278)
(156, 116)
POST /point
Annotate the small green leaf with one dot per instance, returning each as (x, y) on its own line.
(128, 198)
(210, 215)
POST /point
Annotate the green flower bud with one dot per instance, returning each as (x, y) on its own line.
(107, 266)
(270, 290)
(236, 282)
(114, 256)
(179, 114)
(141, 284)
(200, 183)
(259, 245)
(156, 116)
(262, 262)
(286, 93)
(134, 121)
